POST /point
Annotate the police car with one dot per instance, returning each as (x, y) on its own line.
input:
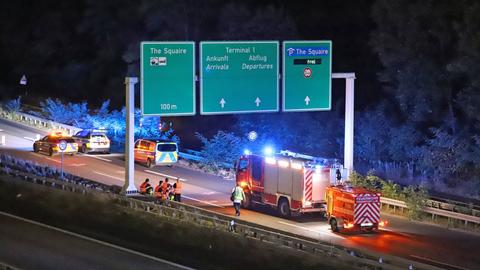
(92, 140)
(50, 144)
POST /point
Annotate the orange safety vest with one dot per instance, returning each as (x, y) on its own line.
(178, 188)
(164, 187)
(158, 191)
(144, 186)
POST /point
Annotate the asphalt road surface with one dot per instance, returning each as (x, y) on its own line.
(29, 246)
(421, 242)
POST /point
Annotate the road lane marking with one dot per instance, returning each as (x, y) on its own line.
(107, 175)
(438, 262)
(166, 175)
(30, 139)
(121, 171)
(113, 155)
(210, 193)
(310, 230)
(58, 161)
(100, 158)
(77, 165)
(205, 202)
(96, 241)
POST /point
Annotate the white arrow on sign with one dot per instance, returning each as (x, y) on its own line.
(307, 100)
(222, 102)
(257, 101)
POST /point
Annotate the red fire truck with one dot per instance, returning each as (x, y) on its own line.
(353, 208)
(294, 184)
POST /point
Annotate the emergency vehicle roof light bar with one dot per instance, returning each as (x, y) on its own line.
(295, 155)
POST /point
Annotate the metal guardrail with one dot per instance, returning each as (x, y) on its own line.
(187, 213)
(196, 157)
(434, 212)
(4, 266)
(37, 122)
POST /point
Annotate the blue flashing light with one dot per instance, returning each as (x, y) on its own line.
(268, 150)
(247, 152)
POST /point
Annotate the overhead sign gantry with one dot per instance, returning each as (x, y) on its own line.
(167, 81)
(238, 77)
(307, 73)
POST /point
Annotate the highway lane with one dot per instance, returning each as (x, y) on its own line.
(29, 246)
(19, 136)
(402, 238)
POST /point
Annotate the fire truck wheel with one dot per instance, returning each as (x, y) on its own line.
(247, 203)
(50, 152)
(283, 207)
(333, 225)
(83, 149)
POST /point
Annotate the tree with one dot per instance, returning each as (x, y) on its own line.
(224, 147)
(70, 114)
(239, 21)
(430, 54)
(14, 105)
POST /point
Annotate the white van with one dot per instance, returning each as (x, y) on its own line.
(153, 152)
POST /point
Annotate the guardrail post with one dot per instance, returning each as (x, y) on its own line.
(2, 140)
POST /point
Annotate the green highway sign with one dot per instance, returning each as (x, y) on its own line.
(307, 73)
(238, 76)
(167, 78)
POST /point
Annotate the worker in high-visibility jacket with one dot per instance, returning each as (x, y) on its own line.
(237, 197)
(177, 191)
(158, 190)
(145, 187)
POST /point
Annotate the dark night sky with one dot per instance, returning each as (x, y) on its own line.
(59, 46)
(74, 51)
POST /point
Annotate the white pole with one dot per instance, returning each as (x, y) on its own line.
(37, 137)
(62, 166)
(3, 140)
(129, 186)
(349, 117)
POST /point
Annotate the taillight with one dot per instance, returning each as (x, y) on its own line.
(348, 225)
(383, 223)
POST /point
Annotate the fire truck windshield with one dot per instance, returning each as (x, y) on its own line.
(242, 164)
